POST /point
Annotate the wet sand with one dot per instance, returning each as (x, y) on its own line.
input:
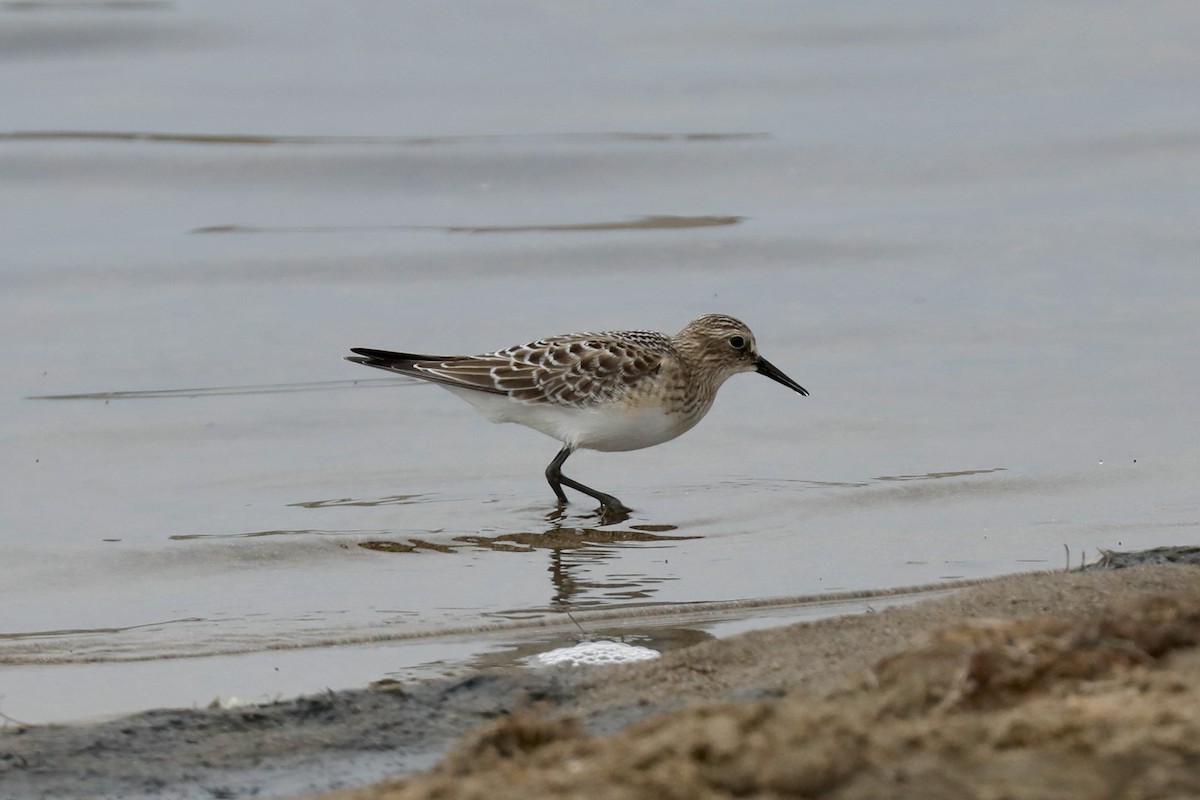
(1074, 684)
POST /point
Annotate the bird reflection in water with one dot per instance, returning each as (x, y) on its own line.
(572, 548)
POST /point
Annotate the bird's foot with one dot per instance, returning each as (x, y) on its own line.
(613, 511)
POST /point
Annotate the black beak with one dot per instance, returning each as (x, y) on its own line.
(764, 367)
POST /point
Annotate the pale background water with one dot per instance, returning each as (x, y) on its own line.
(971, 230)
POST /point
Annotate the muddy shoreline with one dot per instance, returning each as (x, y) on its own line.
(353, 738)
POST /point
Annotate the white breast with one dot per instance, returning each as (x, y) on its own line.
(607, 428)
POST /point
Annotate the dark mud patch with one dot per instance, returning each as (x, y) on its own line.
(297, 746)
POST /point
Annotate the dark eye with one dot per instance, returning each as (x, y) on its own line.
(737, 342)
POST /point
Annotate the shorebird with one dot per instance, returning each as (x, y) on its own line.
(610, 391)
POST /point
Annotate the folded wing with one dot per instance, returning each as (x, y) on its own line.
(577, 371)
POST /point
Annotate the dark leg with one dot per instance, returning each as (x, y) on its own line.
(557, 480)
(554, 473)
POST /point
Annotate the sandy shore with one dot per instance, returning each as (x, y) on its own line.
(1041, 685)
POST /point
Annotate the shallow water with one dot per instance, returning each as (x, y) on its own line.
(970, 234)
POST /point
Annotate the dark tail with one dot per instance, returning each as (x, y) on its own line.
(392, 362)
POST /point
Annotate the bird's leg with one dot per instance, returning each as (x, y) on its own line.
(554, 474)
(557, 480)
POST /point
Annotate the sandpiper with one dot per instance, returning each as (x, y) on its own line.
(616, 390)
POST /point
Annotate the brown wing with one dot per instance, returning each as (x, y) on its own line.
(581, 371)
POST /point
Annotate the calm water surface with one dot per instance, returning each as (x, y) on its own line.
(969, 232)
